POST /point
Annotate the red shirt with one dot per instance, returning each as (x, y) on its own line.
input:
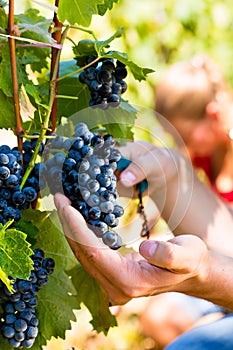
(204, 163)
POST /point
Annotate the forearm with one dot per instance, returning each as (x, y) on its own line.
(186, 204)
(189, 206)
(216, 283)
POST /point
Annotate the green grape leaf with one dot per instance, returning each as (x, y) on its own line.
(5, 345)
(7, 116)
(46, 228)
(5, 71)
(71, 86)
(78, 11)
(139, 73)
(52, 240)
(57, 299)
(56, 302)
(3, 16)
(33, 92)
(6, 280)
(34, 26)
(117, 121)
(26, 225)
(88, 47)
(95, 300)
(95, 47)
(85, 47)
(108, 5)
(15, 253)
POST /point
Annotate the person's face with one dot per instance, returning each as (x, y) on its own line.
(201, 137)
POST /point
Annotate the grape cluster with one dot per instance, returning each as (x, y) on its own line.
(105, 81)
(19, 324)
(12, 166)
(84, 172)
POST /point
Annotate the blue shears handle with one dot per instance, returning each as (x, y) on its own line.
(124, 163)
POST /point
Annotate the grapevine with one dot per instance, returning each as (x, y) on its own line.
(33, 250)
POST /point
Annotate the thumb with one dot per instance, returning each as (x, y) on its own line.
(138, 170)
(175, 255)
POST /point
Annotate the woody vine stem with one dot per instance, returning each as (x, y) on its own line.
(51, 109)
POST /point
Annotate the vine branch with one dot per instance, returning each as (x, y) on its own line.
(11, 31)
(45, 125)
(56, 35)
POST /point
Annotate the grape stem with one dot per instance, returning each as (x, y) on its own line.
(79, 69)
(84, 30)
(45, 124)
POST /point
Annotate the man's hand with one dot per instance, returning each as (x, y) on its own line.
(158, 267)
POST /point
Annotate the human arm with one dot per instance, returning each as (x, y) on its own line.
(182, 264)
(186, 204)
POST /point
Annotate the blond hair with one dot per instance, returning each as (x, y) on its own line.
(187, 87)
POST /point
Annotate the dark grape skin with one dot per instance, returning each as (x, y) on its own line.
(18, 198)
(11, 181)
(4, 172)
(19, 315)
(114, 99)
(120, 73)
(123, 86)
(38, 254)
(10, 318)
(9, 213)
(30, 193)
(89, 181)
(94, 213)
(48, 264)
(8, 331)
(112, 239)
(118, 211)
(31, 332)
(20, 325)
(24, 286)
(19, 336)
(105, 83)
(4, 159)
(97, 226)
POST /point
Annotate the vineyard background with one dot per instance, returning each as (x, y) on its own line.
(157, 34)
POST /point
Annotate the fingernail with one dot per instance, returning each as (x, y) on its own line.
(127, 178)
(60, 201)
(148, 248)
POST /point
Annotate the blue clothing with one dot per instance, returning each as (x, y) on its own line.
(214, 335)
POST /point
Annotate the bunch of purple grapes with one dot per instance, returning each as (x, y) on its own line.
(13, 163)
(83, 169)
(105, 81)
(19, 323)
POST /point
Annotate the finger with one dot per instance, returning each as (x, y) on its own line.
(60, 201)
(140, 168)
(182, 254)
(156, 165)
(134, 148)
(87, 252)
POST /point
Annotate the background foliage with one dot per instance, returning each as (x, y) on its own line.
(159, 33)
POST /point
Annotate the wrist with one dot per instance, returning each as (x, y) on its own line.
(213, 281)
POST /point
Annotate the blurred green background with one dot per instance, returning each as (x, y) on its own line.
(159, 33)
